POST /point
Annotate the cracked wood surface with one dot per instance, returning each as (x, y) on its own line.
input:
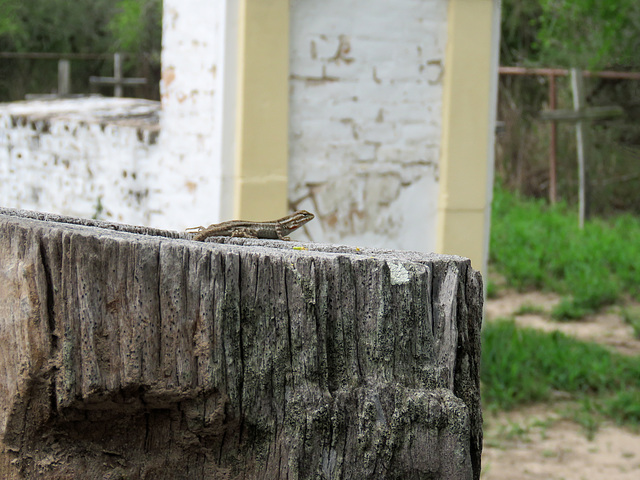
(147, 355)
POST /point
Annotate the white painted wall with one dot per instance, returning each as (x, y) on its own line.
(84, 160)
(365, 127)
(83, 157)
(191, 171)
(365, 119)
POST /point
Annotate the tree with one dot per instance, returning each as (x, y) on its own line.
(586, 34)
(137, 26)
(82, 26)
(590, 34)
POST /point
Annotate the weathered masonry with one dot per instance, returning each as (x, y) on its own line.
(129, 352)
(87, 157)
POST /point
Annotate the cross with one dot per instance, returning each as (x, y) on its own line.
(117, 80)
(580, 114)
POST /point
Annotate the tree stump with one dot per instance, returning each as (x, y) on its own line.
(146, 355)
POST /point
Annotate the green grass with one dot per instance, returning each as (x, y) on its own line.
(536, 246)
(530, 309)
(522, 366)
(631, 316)
(492, 289)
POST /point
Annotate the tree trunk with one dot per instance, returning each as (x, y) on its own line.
(139, 356)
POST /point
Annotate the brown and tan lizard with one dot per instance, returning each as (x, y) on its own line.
(277, 229)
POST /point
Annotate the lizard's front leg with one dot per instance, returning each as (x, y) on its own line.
(245, 232)
(280, 233)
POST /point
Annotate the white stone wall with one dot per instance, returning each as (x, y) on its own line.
(192, 174)
(365, 127)
(365, 118)
(89, 157)
(79, 161)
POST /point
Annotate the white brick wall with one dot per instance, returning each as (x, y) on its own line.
(90, 156)
(84, 157)
(190, 164)
(365, 126)
(365, 118)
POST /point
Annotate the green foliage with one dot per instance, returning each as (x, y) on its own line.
(55, 25)
(518, 34)
(522, 365)
(568, 309)
(92, 26)
(82, 26)
(492, 290)
(589, 34)
(587, 415)
(137, 26)
(9, 20)
(536, 246)
(525, 365)
(530, 309)
(624, 406)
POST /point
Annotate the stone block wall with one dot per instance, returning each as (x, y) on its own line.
(90, 157)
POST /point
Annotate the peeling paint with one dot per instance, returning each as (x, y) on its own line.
(315, 80)
(342, 52)
(435, 72)
(375, 76)
(168, 76)
(374, 183)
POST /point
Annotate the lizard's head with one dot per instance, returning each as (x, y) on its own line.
(297, 219)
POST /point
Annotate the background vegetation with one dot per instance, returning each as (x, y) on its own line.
(587, 34)
(81, 26)
(535, 245)
(538, 246)
(521, 366)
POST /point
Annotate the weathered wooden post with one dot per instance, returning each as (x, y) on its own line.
(150, 356)
(579, 115)
(64, 77)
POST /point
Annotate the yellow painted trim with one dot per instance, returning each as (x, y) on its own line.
(466, 163)
(261, 183)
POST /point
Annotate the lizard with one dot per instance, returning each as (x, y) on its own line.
(276, 229)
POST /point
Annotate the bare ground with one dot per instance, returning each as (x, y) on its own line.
(538, 442)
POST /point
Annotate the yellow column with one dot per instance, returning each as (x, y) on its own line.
(260, 188)
(466, 163)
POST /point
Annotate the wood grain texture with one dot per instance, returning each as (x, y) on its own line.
(144, 355)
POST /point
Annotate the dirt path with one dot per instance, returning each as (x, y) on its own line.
(536, 442)
(607, 328)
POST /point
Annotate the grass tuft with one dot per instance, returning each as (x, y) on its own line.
(530, 309)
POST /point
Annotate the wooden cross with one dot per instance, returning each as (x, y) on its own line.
(580, 114)
(117, 80)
